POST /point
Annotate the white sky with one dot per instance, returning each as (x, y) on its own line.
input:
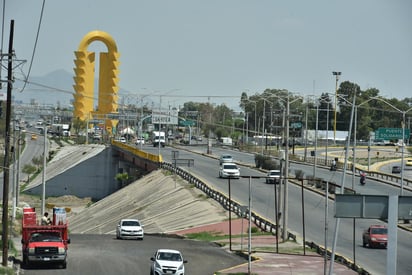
(224, 47)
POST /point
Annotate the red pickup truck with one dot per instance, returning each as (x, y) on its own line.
(375, 236)
(45, 244)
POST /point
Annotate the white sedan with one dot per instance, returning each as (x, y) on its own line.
(129, 229)
(167, 261)
(229, 170)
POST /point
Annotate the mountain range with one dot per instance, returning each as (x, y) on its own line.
(55, 88)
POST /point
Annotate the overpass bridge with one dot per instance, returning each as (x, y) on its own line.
(90, 170)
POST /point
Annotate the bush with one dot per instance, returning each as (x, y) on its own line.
(266, 162)
(299, 174)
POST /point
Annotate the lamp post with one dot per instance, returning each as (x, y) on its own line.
(336, 74)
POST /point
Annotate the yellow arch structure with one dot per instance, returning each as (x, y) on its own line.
(108, 80)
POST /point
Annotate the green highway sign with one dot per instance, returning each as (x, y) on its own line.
(296, 125)
(186, 123)
(391, 133)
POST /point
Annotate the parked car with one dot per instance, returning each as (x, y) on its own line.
(123, 140)
(396, 169)
(129, 229)
(225, 158)
(408, 162)
(273, 176)
(375, 236)
(229, 170)
(167, 261)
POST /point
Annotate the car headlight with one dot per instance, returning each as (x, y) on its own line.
(62, 250)
(157, 265)
(31, 250)
(374, 239)
(181, 267)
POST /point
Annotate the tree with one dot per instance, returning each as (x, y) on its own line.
(37, 161)
(29, 170)
(122, 177)
(78, 125)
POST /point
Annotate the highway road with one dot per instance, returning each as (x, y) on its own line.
(348, 244)
(32, 148)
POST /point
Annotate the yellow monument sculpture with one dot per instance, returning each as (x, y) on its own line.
(108, 81)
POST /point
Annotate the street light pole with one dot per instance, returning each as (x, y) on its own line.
(336, 74)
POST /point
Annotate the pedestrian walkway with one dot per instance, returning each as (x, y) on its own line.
(267, 262)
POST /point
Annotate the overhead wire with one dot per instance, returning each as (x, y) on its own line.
(35, 46)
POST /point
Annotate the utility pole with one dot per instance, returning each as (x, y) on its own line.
(336, 74)
(5, 221)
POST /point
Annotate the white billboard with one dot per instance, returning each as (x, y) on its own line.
(165, 117)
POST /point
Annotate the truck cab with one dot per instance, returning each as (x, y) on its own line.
(158, 138)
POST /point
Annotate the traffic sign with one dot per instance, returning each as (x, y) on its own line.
(186, 123)
(296, 125)
(391, 133)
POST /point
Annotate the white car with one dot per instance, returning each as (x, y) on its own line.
(123, 140)
(140, 141)
(167, 261)
(273, 176)
(229, 170)
(129, 229)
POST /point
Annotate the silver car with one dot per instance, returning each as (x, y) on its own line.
(129, 229)
(225, 158)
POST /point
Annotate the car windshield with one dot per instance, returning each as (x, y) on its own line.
(226, 157)
(131, 223)
(232, 166)
(381, 231)
(274, 173)
(169, 256)
(45, 237)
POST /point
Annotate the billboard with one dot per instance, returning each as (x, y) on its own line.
(165, 117)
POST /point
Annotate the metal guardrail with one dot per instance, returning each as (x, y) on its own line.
(234, 206)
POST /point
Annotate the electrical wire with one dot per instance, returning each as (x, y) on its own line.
(35, 46)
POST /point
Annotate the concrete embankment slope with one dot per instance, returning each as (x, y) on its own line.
(162, 202)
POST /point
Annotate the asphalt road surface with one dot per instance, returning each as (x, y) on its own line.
(104, 254)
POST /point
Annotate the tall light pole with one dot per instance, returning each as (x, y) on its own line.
(336, 74)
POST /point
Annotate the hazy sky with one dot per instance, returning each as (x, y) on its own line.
(220, 48)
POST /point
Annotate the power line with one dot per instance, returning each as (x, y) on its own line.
(35, 44)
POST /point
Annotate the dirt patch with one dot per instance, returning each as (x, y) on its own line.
(72, 204)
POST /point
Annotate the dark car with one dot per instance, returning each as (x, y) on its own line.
(396, 169)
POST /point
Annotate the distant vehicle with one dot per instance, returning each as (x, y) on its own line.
(408, 162)
(396, 169)
(229, 170)
(225, 158)
(33, 136)
(167, 261)
(122, 140)
(226, 141)
(158, 138)
(273, 176)
(129, 229)
(375, 236)
(140, 141)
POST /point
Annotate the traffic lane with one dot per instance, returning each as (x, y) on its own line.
(104, 254)
(407, 170)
